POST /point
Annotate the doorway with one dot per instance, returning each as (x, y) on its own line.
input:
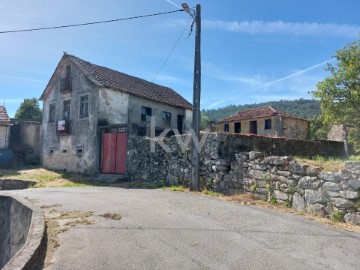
(253, 127)
(113, 159)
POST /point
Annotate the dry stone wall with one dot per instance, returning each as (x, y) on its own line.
(225, 167)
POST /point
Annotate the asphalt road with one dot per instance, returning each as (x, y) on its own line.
(172, 230)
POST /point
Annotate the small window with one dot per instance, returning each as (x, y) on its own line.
(68, 71)
(66, 110)
(66, 83)
(226, 127)
(84, 106)
(267, 123)
(52, 113)
(146, 114)
(166, 119)
(237, 127)
(51, 151)
(64, 151)
(79, 150)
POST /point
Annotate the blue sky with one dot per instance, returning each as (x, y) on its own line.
(252, 51)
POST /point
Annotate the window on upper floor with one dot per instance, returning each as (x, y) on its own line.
(66, 83)
(166, 116)
(52, 113)
(84, 106)
(146, 114)
(237, 127)
(267, 123)
(66, 110)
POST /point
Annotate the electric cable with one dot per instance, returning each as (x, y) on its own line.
(89, 23)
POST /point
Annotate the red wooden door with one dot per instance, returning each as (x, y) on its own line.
(120, 166)
(114, 153)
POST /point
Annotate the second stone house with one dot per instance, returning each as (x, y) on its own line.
(265, 121)
(90, 110)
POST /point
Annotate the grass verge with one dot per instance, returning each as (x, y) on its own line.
(47, 178)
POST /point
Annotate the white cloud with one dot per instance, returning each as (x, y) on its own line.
(285, 28)
(260, 89)
(172, 3)
(297, 73)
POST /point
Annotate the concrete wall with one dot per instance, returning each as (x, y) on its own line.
(4, 137)
(26, 141)
(60, 151)
(15, 220)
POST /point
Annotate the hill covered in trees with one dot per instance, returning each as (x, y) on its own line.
(303, 108)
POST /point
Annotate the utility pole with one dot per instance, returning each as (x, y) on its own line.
(195, 155)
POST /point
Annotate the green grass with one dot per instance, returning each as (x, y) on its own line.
(177, 188)
(71, 184)
(211, 193)
(327, 163)
(354, 158)
(337, 216)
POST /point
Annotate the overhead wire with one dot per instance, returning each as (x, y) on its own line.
(88, 23)
(172, 50)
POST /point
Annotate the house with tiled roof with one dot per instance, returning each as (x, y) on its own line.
(90, 110)
(265, 121)
(4, 128)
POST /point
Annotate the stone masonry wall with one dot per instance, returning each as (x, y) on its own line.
(225, 167)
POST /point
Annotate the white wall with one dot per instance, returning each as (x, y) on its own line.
(113, 106)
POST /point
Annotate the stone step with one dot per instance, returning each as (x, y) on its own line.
(110, 178)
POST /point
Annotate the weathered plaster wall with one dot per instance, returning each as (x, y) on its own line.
(113, 107)
(275, 131)
(4, 137)
(295, 128)
(281, 127)
(60, 151)
(135, 104)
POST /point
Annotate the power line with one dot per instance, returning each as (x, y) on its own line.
(89, 23)
(172, 50)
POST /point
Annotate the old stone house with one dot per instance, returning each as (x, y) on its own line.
(265, 121)
(90, 110)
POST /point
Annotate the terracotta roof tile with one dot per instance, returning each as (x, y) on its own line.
(255, 113)
(4, 117)
(116, 80)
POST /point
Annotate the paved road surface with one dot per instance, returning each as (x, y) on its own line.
(171, 230)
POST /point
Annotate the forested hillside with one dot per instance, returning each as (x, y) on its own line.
(303, 108)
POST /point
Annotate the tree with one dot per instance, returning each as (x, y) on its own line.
(204, 121)
(318, 130)
(29, 110)
(339, 94)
